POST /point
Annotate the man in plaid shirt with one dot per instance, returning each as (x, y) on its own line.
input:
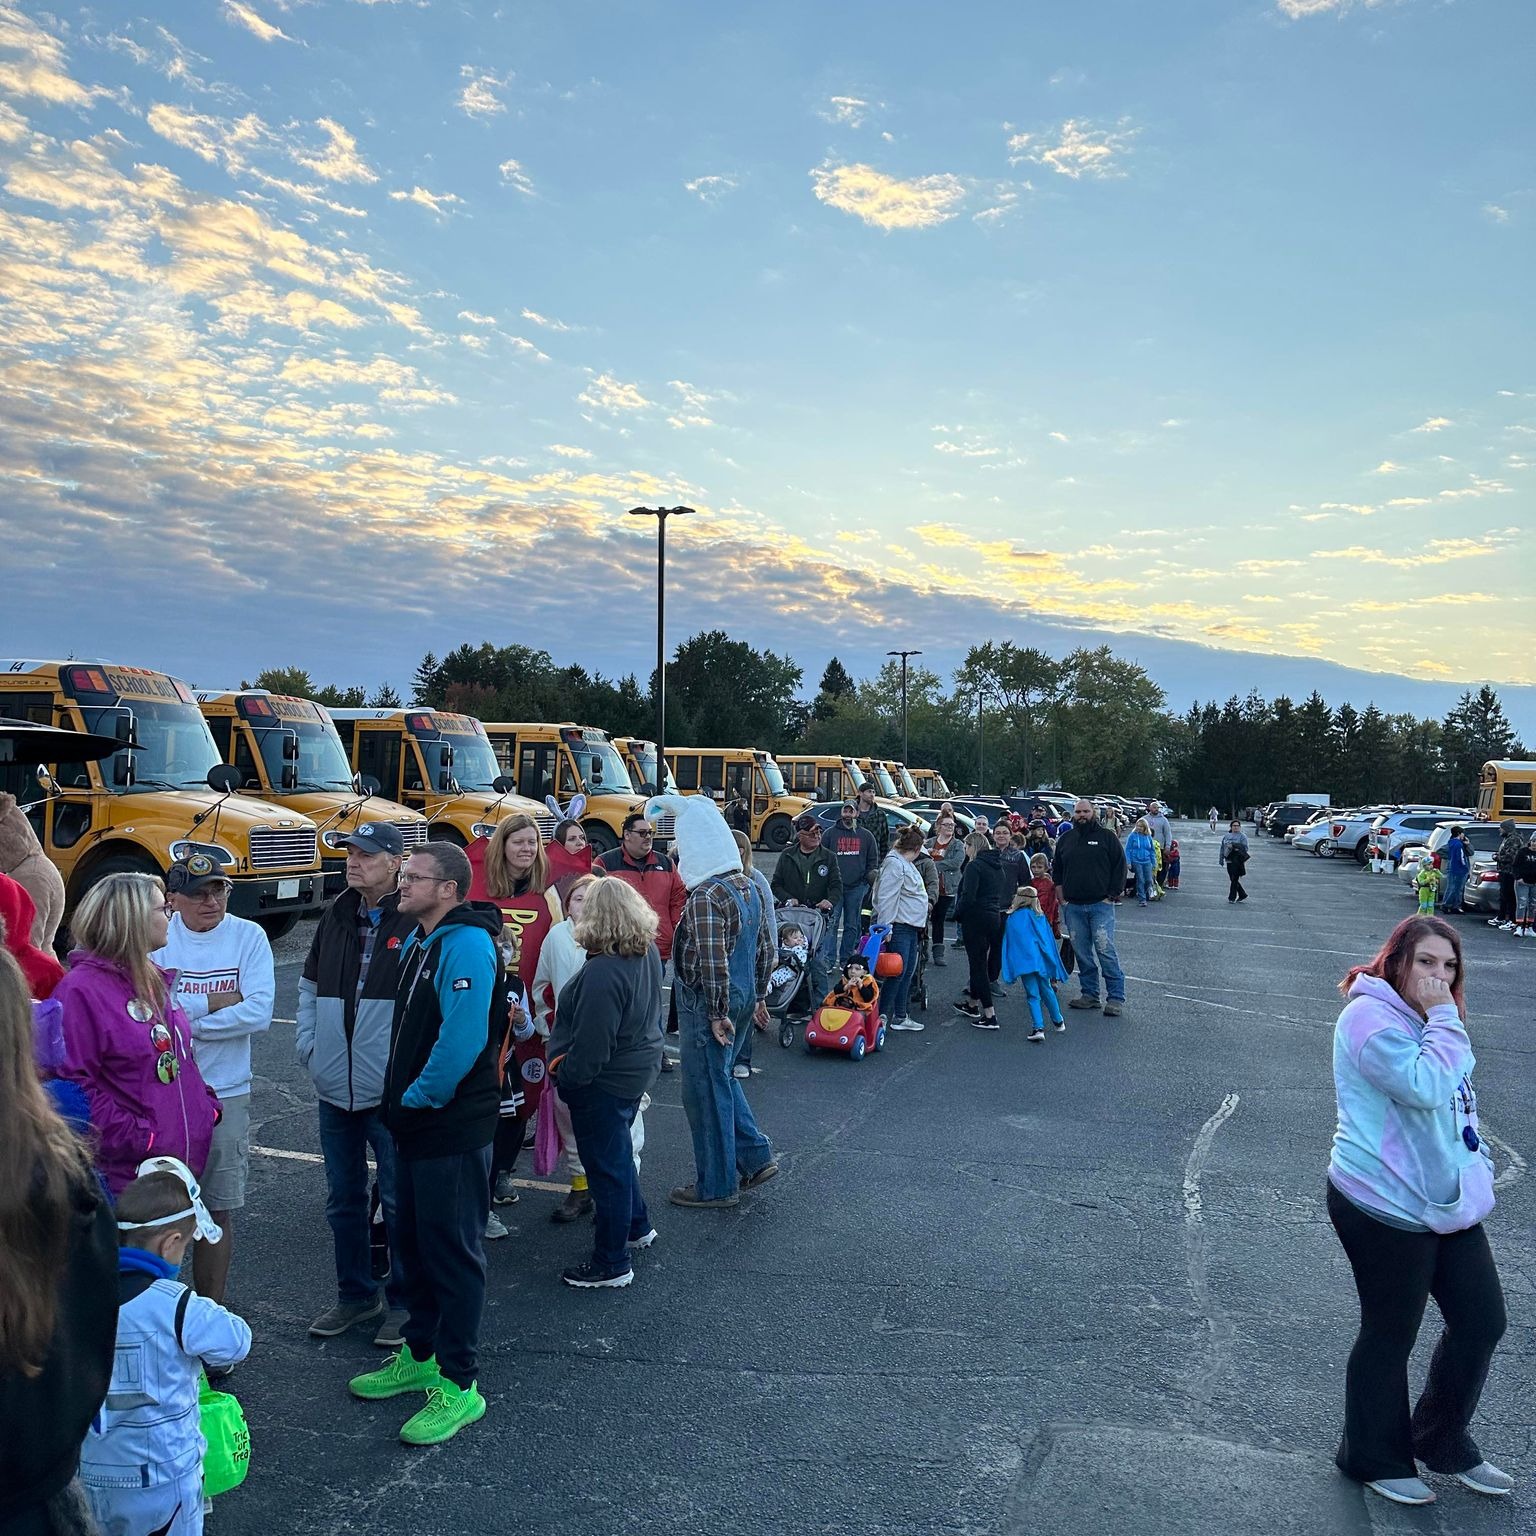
(723, 952)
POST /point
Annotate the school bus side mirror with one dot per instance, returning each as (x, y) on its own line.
(290, 777)
(122, 770)
(224, 778)
(365, 783)
(502, 784)
(45, 780)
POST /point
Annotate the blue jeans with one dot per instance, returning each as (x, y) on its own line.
(1038, 991)
(345, 1137)
(845, 927)
(601, 1123)
(1145, 874)
(1091, 927)
(727, 1145)
(1455, 891)
(904, 940)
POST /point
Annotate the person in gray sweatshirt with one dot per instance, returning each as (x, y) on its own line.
(1410, 1182)
(605, 1052)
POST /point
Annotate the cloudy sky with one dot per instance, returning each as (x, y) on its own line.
(332, 331)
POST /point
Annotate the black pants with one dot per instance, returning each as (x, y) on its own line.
(441, 1204)
(983, 939)
(936, 921)
(511, 1133)
(1506, 897)
(1396, 1272)
(1235, 882)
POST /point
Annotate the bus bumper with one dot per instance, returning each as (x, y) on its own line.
(273, 894)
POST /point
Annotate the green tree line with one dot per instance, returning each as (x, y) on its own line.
(1009, 717)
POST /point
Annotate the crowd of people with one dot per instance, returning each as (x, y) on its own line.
(458, 1006)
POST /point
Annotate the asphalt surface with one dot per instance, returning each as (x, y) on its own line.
(1081, 1287)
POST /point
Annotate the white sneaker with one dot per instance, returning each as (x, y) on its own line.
(495, 1227)
(741, 1072)
(1403, 1490)
(910, 1026)
(1061, 1026)
(1486, 1478)
(1506, 927)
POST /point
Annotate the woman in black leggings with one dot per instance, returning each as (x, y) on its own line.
(985, 892)
(1409, 1185)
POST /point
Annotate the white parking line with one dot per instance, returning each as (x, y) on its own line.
(314, 1157)
(1516, 1168)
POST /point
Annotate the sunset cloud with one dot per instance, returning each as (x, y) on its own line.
(606, 393)
(339, 159)
(1076, 149)
(479, 95)
(889, 202)
(243, 16)
(32, 63)
(710, 189)
(513, 175)
(440, 203)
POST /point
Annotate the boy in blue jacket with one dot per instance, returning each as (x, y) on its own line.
(1029, 951)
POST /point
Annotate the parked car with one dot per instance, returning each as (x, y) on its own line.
(1397, 829)
(928, 808)
(1351, 832)
(898, 817)
(1482, 894)
(1483, 836)
(1314, 837)
(1284, 816)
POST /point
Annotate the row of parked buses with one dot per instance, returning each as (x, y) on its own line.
(269, 786)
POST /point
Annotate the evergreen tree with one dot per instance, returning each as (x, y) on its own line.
(426, 685)
(385, 697)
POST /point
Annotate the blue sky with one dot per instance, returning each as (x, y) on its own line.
(336, 331)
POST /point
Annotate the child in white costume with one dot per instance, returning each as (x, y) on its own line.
(142, 1461)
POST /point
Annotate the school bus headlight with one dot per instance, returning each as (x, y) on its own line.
(335, 841)
(482, 829)
(221, 856)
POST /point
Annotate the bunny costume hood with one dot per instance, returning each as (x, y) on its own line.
(701, 840)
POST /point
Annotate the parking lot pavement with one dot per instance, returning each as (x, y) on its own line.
(1081, 1287)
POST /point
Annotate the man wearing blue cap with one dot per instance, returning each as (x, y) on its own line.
(346, 1004)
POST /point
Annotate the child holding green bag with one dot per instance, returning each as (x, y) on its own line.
(142, 1461)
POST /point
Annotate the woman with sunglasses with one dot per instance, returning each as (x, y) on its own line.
(1409, 1185)
(127, 1044)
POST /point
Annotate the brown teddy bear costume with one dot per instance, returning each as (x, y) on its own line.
(23, 859)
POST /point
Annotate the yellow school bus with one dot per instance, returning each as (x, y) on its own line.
(640, 760)
(287, 752)
(929, 782)
(438, 763)
(825, 778)
(152, 802)
(747, 783)
(885, 785)
(1505, 791)
(566, 760)
(906, 785)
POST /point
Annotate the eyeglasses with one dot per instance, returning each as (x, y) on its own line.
(210, 895)
(644, 832)
(409, 879)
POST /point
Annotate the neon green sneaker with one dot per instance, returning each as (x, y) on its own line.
(402, 1372)
(449, 1409)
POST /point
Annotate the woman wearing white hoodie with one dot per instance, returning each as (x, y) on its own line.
(1409, 1184)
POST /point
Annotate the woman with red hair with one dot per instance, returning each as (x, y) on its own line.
(1409, 1184)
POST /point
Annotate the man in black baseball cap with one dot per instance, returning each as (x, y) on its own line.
(188, 876)
(346, 1005)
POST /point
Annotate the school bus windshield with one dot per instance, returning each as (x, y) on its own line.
(882, 780)
(642, 770)
(176, 745)
(771, 773)
(474, 760)
(599, 767)
(322, 760)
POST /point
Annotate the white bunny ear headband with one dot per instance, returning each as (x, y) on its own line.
(207, 1229)
(572, 812)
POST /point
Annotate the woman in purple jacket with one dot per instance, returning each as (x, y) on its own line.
(127, 1044)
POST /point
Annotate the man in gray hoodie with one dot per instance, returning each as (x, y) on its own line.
(1162, 834)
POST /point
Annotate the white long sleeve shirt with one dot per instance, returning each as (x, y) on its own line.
(233, 956)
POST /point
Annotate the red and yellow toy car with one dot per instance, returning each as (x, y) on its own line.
(849, 1017)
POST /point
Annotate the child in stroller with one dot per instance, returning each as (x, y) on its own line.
(801, 929)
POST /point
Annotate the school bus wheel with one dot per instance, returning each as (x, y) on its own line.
(124, 863)
(600, 838)
(777, 833)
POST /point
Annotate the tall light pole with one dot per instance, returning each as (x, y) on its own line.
(904, 655)
(661, 514)
(980, 747)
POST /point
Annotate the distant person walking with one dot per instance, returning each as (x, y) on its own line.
(1213, 816)
(1089, 869)
(1409, 1186)
(1234, 855)
(1141, 855)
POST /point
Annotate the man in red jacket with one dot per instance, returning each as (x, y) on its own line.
(636, 862)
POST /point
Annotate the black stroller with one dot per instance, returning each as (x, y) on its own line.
(781, 1000)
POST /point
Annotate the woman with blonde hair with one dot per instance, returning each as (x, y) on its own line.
(127, 1044)
(511, 870)
(1141, 855)
(58, 1288)
(605, 1052)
